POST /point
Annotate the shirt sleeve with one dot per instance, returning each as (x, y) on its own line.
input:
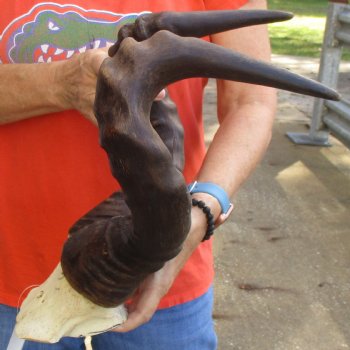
(224, 5)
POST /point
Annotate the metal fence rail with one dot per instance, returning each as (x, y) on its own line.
(337, 119)
(329, 116)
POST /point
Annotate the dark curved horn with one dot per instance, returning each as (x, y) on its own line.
(195, 24)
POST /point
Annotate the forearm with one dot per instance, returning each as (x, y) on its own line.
(238, 146)
(246, 114)
(28, 90)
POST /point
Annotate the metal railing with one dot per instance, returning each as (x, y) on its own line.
(330, 116)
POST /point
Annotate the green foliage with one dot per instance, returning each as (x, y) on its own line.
(298, 37)
(313, 8)
(303, 35)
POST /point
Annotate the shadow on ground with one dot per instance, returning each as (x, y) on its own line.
(283, 259)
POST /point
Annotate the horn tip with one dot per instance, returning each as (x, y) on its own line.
(329, 93)
(289, 15)
(284, 15)
(334, 96)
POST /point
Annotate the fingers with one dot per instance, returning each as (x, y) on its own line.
(150, 292)
(96, 57)
(79, 81)
(142, 309)
(89, 64)
(142, 313)
(161, 95)
(194, 24)
(91, 117)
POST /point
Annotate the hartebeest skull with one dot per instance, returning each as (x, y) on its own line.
(114, 247)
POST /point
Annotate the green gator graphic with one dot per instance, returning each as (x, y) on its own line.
(59, 32)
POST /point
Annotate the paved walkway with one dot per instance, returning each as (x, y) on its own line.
(283, 260)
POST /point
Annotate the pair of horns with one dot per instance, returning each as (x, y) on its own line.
(224, 64)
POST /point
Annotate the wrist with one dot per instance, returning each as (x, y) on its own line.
(216, 192)
(198, 229)
(200, 221)
(210, 201)
(214, 203)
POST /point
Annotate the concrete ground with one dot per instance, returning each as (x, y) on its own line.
(283, 259)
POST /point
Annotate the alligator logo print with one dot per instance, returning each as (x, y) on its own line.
(51, 32)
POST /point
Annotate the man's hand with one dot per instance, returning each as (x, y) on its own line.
(79, 85)
(76, 81)
(30, 90)
(151, 291)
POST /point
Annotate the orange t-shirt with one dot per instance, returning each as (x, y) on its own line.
(52, 169)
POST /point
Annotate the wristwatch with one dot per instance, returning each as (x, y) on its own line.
(218, 193)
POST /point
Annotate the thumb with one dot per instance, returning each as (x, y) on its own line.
(97, 58)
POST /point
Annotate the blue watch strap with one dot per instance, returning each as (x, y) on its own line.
(215, 191)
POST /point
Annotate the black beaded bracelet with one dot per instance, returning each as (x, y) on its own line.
(209, 215)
